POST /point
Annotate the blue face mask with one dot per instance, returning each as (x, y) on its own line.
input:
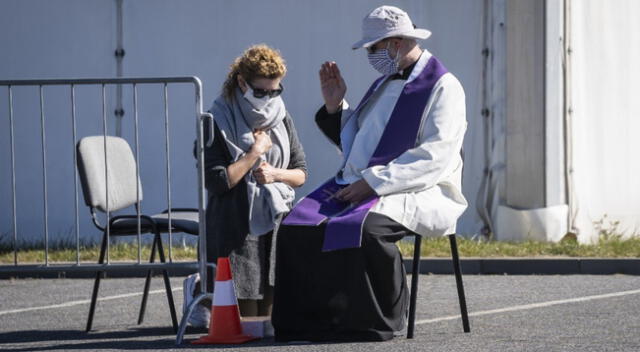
(383, 62)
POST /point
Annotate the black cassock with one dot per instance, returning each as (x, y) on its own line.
(357, 294)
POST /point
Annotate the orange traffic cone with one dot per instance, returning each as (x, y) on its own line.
(224, 326)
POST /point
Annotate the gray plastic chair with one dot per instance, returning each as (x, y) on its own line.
(122, 193)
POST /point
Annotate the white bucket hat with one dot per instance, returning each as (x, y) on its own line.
(385, 22)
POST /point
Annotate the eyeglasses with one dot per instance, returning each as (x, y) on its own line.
(261, 93)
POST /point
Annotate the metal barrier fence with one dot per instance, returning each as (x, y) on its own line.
(78, 266)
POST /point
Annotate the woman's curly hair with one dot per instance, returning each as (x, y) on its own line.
(258, 61)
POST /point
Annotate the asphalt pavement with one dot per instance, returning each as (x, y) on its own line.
(507, 313)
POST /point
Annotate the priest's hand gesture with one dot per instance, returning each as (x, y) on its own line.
(332, 85)
(355, 192)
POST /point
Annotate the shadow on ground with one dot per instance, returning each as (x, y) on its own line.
(151, 338)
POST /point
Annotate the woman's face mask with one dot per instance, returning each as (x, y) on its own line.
(382, 61)
(260, 97)
(257, 103)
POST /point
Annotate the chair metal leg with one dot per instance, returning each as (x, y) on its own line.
(415, 274)
(456, 269)
(96, 284)
(147, 282)
(167, 286)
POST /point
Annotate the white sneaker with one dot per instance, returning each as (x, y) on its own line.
(201, 315)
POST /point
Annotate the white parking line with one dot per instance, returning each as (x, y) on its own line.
(531, 306)
(84, 301)
(419, 322)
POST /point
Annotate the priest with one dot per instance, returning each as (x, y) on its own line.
(339, 273)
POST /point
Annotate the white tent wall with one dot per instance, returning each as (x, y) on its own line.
(570, 115)
(605, 119)
(529, 201)
(76, 38)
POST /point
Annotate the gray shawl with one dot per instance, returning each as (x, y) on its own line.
(236, 121)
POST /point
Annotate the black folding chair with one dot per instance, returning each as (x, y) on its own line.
(124, 189)
(415, 274)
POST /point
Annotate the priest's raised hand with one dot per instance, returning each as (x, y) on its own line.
(332, 85)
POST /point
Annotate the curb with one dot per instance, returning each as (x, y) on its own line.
(469, 266)
(89, 271)
(530, 266)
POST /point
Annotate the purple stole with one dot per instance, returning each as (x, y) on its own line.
(345, 220)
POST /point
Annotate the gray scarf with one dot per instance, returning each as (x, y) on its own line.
(236, 121)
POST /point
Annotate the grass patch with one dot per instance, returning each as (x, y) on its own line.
(607, 247)
(117, 252)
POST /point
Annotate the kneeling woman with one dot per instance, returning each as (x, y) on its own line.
(251, 170)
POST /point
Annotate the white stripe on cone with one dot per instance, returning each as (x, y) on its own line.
(224, 294)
